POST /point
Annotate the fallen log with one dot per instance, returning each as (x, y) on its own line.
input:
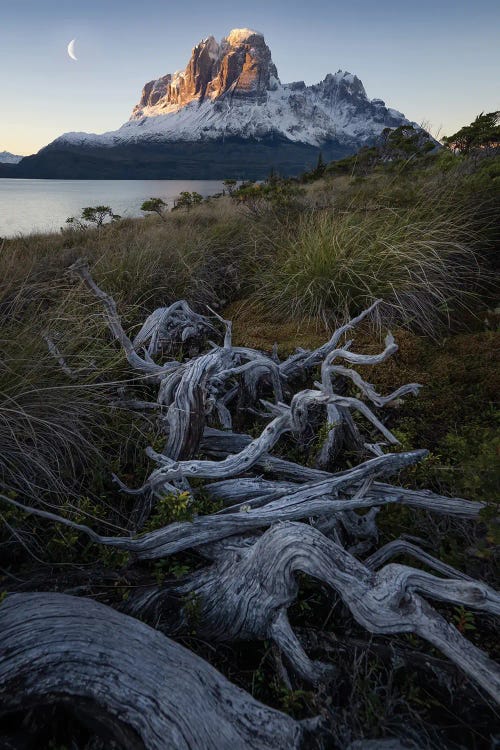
(125, 680)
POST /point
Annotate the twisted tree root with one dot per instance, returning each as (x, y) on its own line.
(246, 590)
(246, 593)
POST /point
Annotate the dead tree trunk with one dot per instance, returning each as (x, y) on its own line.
(124, 679)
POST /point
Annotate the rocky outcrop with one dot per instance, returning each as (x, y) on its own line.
(246, 68)
(231, 89)
(240, 66)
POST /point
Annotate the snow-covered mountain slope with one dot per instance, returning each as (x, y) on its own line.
(231, 89)
(8, 158)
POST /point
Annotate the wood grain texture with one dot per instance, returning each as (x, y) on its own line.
(120, 674)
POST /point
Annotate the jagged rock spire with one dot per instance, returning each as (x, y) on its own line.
(239, 66)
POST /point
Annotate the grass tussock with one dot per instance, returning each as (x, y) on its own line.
(420, 260)
(55, 427)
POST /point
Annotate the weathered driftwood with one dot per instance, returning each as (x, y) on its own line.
(305, 502)
(128, 681)
(167, 327)
(219, 443)
(54, 350)
(254, 545)
(242, 594)
(191, 390)
(187, 405)
(247, 591)
(338, 419)
(289, 419)
(403, 547)
(145, 365)
(304, 361)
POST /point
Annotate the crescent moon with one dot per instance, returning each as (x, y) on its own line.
(71, 49)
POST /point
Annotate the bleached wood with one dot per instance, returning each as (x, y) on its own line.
(81, 269)
(118, 673)
(304, 361)
(254, 545)
(167, 326)
(246, 593)
(313, 500)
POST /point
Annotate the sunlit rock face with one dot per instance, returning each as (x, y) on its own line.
(239, 67)
(246, 68)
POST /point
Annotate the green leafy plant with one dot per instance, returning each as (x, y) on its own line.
(464, 620)
(171, 508)
(156, 206)
(188, 200)
(93, 215)
(293, 701)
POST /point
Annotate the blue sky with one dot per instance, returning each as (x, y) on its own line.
(435, 61)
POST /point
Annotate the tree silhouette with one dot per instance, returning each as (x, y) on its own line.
(155, 206)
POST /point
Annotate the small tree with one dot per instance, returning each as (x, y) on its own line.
(320, 166)
(280, 194)
(272, 177)
(187, 200)
(155, 206)
(96, 215)
(482, 133)
(317, 172)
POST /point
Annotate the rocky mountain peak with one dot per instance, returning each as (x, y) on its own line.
(229, 98)
(240, 66)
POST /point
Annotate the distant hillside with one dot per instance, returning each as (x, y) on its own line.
(7, 158)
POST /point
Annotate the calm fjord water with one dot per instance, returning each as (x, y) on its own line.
(28, 206)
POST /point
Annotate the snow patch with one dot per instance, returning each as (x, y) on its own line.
(7, 158)
(310, 115)
(238, 36)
